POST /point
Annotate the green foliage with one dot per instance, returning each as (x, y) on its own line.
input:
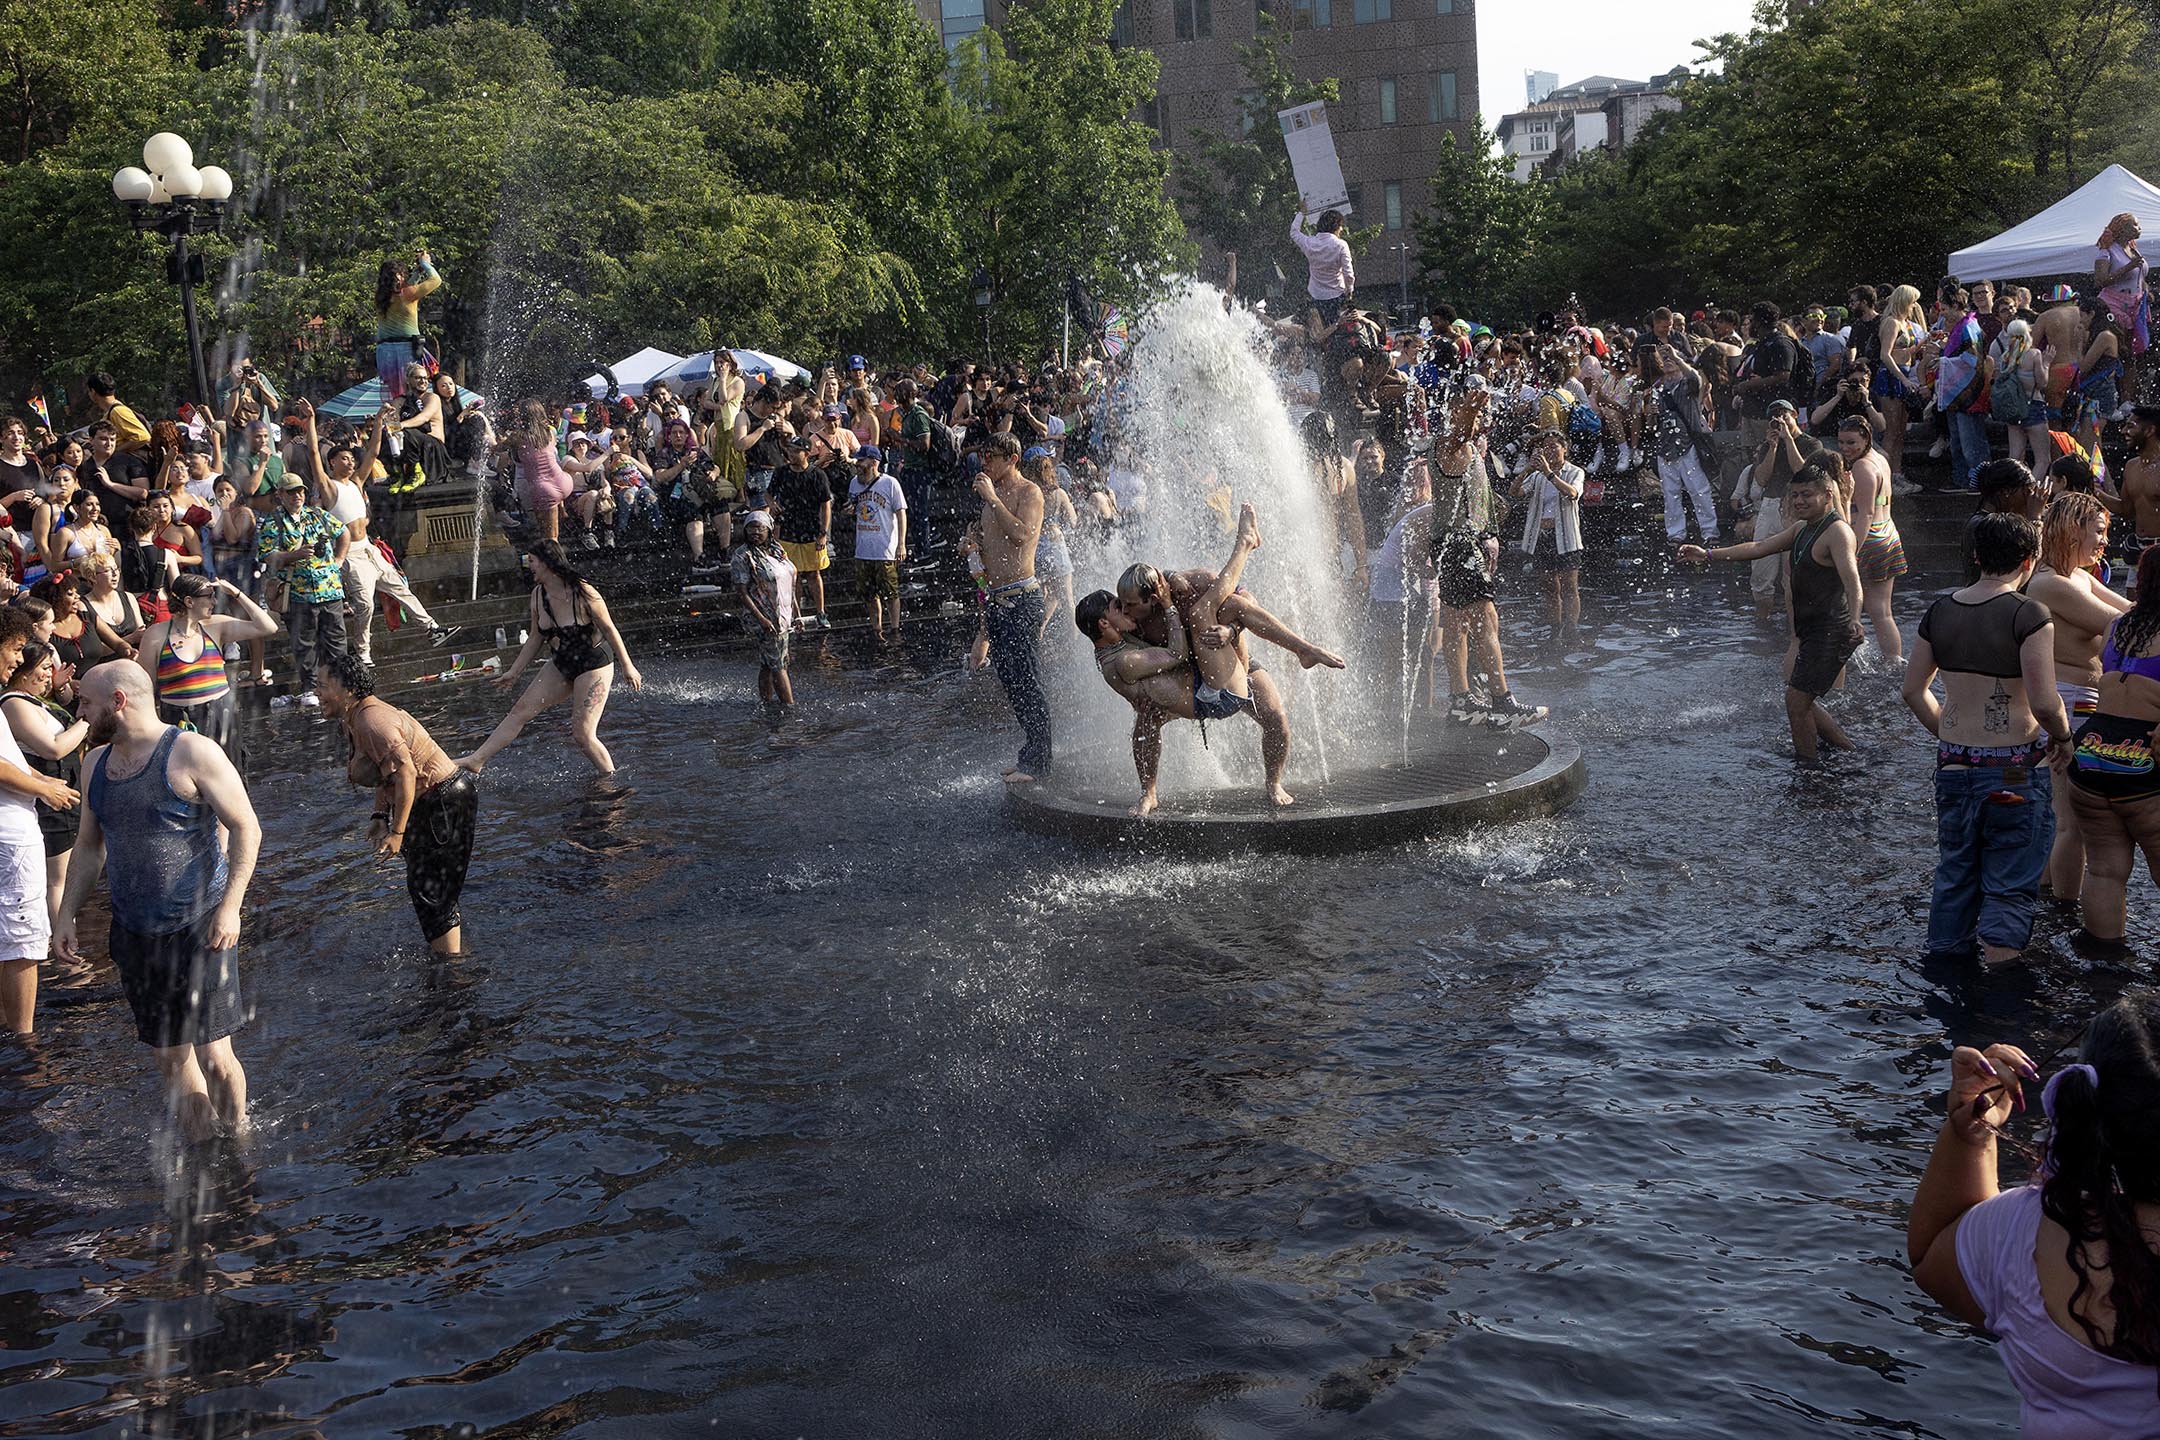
(1852, 140)
(802, 176)
(1238, 189)
(1476, 240)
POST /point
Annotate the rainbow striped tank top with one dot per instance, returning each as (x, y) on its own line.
(190, 682)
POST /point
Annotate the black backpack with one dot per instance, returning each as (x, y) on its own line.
(1803, 377)
(944, 454)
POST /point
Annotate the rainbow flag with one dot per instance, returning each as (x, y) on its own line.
(1116, 334)
(37, 408)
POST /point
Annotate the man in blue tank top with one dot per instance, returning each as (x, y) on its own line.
(156, 799)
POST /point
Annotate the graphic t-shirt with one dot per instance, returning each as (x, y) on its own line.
(878, 506)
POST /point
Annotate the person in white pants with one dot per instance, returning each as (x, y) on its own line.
(1670, 437)
(365, 571)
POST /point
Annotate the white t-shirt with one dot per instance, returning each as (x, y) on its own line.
(1386, 566)
(878, 507)
(18, 813)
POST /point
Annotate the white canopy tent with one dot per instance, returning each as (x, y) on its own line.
(2060, 240)
(634, 372)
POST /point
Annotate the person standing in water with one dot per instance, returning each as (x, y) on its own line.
(567, 616)
(1825, 602)
(158, 802)
(766, 579)
(2073, 536)
(425, 807)
(1011, 525)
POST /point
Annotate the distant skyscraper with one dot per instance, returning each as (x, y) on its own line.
(1537, 84)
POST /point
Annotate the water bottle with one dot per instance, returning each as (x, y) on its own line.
(502, 638)
(523, 635)
(952, 609)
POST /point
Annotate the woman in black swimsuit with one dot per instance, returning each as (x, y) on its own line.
(568, 616)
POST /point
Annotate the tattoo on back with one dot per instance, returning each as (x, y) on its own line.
(1995, 715)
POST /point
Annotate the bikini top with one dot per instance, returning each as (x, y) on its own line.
(2115, 662)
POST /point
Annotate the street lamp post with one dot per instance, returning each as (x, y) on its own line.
(171, 197)
(985, 296)
(1402, 251)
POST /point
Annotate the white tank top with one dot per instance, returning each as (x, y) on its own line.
(350, 504)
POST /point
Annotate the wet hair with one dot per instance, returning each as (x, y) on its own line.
(349, 670)
(188, 585)
(2073, 476)
(551, 554)
(2003, 542)
(2141, 622)
(34, 654)
(1859, 425)
(2061, 527)
(1318, 431)
(1004, 445)
(1140, 579)
(388, 280)
(2150, 414)
(1088, 614)
(39, 610)
(2104, 1161)
(1999, 475)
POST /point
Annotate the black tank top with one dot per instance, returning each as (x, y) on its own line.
(1818, 595)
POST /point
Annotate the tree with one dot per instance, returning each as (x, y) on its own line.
(1478, 237)
(1059, 178)
(1240, 192)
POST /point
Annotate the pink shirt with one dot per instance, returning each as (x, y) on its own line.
(2068, 1390)
(1329, 271)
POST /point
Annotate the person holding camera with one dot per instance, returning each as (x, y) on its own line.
(308, 545)
(1848, 400)
(683, 471)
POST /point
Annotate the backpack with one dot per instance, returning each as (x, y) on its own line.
(1803, 376)
(2012, 397)
(944, 454)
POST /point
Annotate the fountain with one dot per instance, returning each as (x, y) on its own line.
(1201, 413)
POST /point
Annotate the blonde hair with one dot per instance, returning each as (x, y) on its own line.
(1902, 300)
(2060, 526)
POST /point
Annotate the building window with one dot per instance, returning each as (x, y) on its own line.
(1394, 204)
(1314, 14)
(1365, 12)
(1195, 20)
(1387, 101)
(1440, 98)
(1444, 7)
(1247, 101)
(960, 19)
(1121, 26)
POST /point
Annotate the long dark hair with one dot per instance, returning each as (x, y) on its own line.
(2103, 1161)
(2141, 622)
(388, 281)
(551, 554)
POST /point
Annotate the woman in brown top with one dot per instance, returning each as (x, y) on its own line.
(425, 807)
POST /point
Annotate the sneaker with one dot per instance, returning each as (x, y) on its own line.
(1464, 710)
(1939, 449)
(309, 700)
(442, 633)
(1506, 711)
(279, 702)
(1902, 486)
(262, 677)
(590, 541)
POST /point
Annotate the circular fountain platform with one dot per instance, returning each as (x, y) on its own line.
(1456, 776)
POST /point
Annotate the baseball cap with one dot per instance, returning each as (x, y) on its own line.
(291, 482)
(757, 517)
(834, 412)
(800, 442)
(855, 362)
(1035, 452)
(869, 452)
(1777, 405)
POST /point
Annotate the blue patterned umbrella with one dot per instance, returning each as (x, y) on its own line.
(367, 397)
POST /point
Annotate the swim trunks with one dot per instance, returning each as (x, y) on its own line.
(1821, 658)
(182, 991)
(1210, 703)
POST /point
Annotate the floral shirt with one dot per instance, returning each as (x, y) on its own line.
(315, 579)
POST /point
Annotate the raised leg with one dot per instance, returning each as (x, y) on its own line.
(544, 691)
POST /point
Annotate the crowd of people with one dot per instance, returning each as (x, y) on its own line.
(148, 564)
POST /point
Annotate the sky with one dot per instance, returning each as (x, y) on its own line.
(1632, 39)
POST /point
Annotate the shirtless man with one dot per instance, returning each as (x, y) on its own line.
(2060, 331)
(1210, 682)
(2073, 535)
(1012, 514)
(2140, 495)
(1141, 600)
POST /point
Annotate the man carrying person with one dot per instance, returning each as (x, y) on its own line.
(168, 822)
(1010, 526)
(425, 806)
(132, 434)
(881, 520)
(1330, 273)
(1203, 683)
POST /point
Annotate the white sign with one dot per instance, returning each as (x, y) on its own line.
(1313, 160)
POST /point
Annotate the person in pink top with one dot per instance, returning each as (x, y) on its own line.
(543, 484)
(2061, 1269)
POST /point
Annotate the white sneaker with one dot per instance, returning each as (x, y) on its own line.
(1627, 457)
(1902, 486)
(309, 700)
(1939, 449)
(279, 702)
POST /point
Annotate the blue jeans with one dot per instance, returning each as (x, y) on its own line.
(1015, 633)
(1993, 851)
(1968, 447)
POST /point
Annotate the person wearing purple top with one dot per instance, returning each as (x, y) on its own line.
(2061, 1269)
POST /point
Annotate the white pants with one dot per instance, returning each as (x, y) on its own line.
(1768, 521)
(1687, 473)
(366, 572)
